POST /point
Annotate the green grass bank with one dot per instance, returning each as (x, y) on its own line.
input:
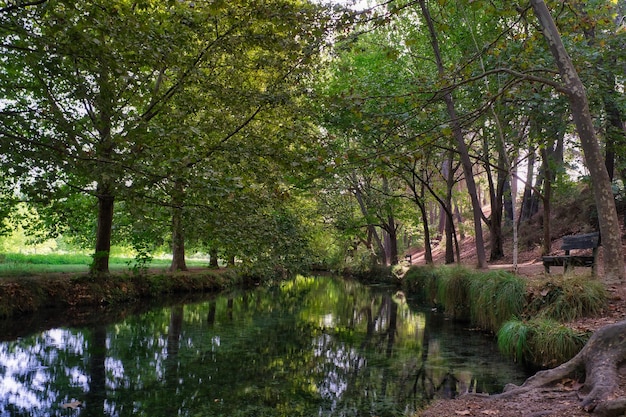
(528, 319)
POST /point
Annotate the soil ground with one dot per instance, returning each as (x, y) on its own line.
(559, 401)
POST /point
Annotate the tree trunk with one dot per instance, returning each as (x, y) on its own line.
(178, 241)
(528, 208)
(547, 204)
(600, 359)
(178, 229)
(461, 145)
(428, 250)
(370, 227)
(449, 220)
(106, 201)
(213, 261)
(607, 214)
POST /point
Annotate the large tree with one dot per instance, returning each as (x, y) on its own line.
(575, 91)
(83, 85)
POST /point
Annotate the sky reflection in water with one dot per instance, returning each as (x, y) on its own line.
(311, 347)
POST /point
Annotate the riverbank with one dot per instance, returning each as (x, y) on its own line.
(559, 400)
(26, 295)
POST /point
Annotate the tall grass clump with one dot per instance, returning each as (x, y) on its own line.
(453, 290)
(496, 296)
(540, 342)
(422, 282)
(571, 297)
(513, 340)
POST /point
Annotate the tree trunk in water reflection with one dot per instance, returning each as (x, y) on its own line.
(97, 373)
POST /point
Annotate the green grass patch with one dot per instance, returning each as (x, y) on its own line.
(486, 298)
(496, 296)
(421, 281)
(17, 264)
(568, 297)
(540, 342)
(453, 291)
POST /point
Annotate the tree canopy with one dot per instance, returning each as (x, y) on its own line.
(284, 134)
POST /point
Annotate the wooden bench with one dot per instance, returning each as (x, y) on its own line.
(585, 241)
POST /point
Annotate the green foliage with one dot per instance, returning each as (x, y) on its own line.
(541, 342)
(513, 340)
(496, 296)
(453, 290)
(568, 297)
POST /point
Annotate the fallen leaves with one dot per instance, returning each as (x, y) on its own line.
(485, 412)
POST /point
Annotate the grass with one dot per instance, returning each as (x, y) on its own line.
(569, 297)
(453, 291)
(15, 264)
(540, 341)
(486, 298)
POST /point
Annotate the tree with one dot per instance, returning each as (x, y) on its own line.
(575, 91)
(123, 66)
(460, 142)
(118, 64)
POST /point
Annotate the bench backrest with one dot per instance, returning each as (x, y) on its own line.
(585, 241)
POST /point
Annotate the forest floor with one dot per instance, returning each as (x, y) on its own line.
(558, 401)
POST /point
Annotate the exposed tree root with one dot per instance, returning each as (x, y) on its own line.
(600, 359)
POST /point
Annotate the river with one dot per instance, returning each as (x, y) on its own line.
(312, 346)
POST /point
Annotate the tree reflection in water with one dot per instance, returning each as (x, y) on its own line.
(311, 346)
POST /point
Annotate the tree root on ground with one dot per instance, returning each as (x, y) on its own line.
(600, 359)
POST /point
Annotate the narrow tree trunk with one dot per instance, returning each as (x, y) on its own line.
(449, 220)
(461, 145)
(178, 228)
(213, 262)
(575, 90)
(528, 209)
(106, 201)
(547, 204)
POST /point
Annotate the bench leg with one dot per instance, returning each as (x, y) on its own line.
(546, 267)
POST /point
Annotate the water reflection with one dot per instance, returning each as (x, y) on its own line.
(311, 347)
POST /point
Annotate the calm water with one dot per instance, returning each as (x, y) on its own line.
(311, 347)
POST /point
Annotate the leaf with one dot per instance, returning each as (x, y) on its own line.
(490, 412)
(463, 413)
